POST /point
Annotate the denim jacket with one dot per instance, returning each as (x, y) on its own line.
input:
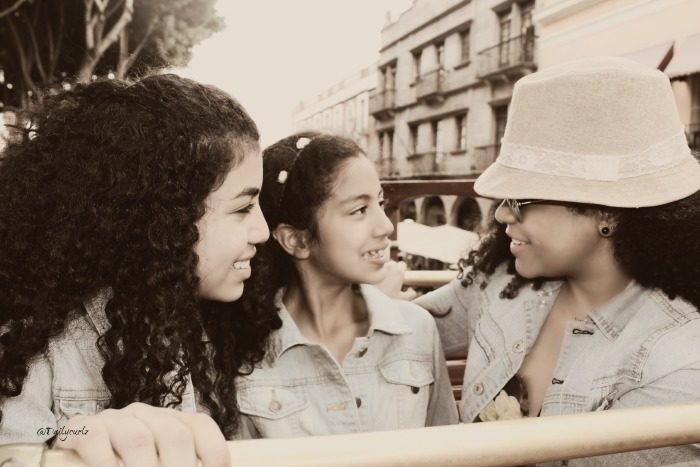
(66, 381)
(394, 377)
(639, 349)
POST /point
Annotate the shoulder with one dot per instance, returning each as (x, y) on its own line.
(399, 312)
(675, 335)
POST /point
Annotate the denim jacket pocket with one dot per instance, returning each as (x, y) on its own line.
(274, 410)
(409, 383)
(71, 402)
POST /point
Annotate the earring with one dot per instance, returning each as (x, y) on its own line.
(605, 231)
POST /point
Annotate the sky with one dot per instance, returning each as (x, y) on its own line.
(274, 53)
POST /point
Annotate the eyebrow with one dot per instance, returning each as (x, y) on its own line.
(248, 192)
(361, 198)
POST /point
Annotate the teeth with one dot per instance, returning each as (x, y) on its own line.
(375, 254)
(517, 242)
(241, 265)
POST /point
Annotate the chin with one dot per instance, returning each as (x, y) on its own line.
(227, 295)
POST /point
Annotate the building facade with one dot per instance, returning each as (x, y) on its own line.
(663, 34)
(341, 109)
(445, 77)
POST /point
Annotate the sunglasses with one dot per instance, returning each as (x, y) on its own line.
(515, 204)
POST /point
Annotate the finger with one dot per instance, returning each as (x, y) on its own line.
(409, 294)
(94, 448)
(210, 443)
(131, 439)
(402, 266)
(173, 438)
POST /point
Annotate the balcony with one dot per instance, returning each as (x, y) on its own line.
(430, 87)
(484, 156)
(382, 103)
(692, 131)
(509, 60)
(389, 168)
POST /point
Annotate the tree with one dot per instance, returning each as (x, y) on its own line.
(45, 44)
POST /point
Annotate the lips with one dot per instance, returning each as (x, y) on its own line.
(377, 255)
(243, 264)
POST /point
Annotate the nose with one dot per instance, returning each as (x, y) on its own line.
(504, 215)
(384, 227)
(259, 231)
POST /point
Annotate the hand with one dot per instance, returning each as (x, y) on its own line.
(145, 436)
(392, 283)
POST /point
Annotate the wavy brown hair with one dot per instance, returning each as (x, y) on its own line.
(106, 192)
(657, 246)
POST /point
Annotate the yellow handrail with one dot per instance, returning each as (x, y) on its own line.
(512, 442)
(428, 278)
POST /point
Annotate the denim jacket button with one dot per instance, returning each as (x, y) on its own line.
(358, 402)
(362, 352)
(518, 347)
(478, 388)
(275, 406)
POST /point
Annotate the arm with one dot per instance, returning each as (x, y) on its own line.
(450, 312)
(442, 409)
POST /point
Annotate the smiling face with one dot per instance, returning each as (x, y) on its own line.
(553, 241)
(229, 230)
(352, 230)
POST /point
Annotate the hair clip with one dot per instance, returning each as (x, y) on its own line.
(303, 142)
(282, 176)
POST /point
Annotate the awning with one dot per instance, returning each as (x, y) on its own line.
(686, 60)
(445, 243)
(656, 56)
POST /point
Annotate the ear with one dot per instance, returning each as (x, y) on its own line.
(292, 240)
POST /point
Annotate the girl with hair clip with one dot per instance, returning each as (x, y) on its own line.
(128, 220)
(347, 358)
(585, 295)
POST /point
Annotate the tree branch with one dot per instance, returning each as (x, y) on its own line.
(21, 55)
(12, 8)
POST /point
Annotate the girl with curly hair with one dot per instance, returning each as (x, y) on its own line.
(347, 358)
(585, 295)
(128, 219)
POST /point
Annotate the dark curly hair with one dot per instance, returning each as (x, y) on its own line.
(106, 192)
(657, 246)
(311, 173)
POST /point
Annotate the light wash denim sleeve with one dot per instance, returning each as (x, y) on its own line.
(447, 306)
(28, 418)
(442, 408)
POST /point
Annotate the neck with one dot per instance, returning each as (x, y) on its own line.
(321, 313)
(591, 290)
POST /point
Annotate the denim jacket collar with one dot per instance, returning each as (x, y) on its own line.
(612, 317)
(95, 308)
(379, 308)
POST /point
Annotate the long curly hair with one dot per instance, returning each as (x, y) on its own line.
(105, 193)
(657, 246)
(311, 161)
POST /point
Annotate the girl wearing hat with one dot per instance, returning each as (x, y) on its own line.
(347, 358)
(128, 219)
(585, 294)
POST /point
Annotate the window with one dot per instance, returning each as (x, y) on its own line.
(500, 117)
(504, 37)
(416, 66)
(464, 42)
(440, 50)
(434, 128)
(413, 130)
(461, 124)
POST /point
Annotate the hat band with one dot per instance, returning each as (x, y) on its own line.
(666, 154)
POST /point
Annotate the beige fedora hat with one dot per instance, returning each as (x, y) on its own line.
(601, 130)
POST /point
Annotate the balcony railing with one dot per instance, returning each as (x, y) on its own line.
(507, 442)
(484, 156)
(430, 87)
(382, 103)
(512, 58)
(693, 133)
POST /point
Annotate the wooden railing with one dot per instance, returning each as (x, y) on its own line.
(503, 443)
